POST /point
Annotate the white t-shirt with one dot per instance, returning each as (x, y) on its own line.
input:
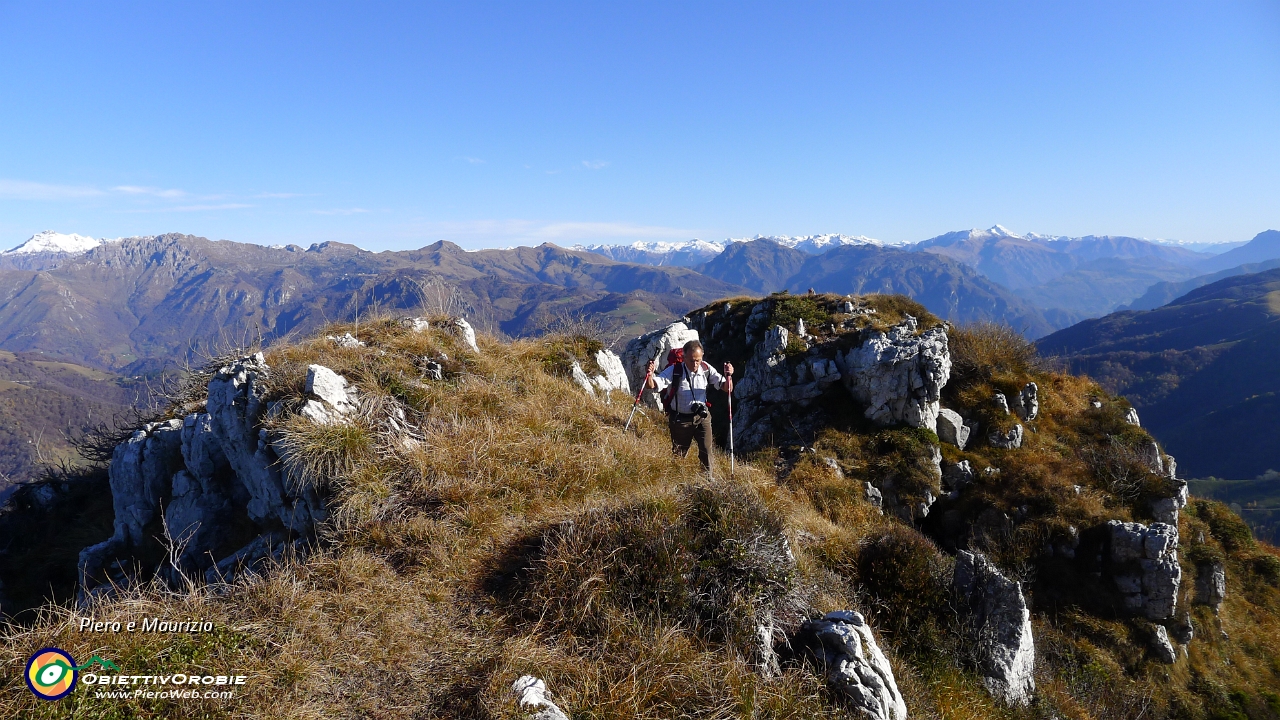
(693, 385)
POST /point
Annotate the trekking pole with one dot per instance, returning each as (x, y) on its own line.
(731, 463)
(643, 384)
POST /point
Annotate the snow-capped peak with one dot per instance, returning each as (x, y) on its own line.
(55, 242)
(816, 244)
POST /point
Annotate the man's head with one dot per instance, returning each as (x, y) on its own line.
(692, 354)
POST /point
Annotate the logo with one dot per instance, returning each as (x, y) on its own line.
(51, 673)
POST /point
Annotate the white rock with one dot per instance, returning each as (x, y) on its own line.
(1144, 567)
(1002, 403)
(327, 385)
(951, 428)
(1001, 623)
(467, 332)
(855, 665)
(346, 340)
(898, 375)
(1161, 648)
(612, 371)
(531, 697)
(1131, 417)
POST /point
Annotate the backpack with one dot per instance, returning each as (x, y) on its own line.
(668, 396)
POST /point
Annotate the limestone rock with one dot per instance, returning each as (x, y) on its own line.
(1144, 567)
(1029, 402)
(193, 483)
(1150, 454)
(951, 428)
(1211, 584)
(432, 370)
(1008, 440)
(1161, 648)
(843, 646)
(531, 697)
(581, 380)
(898, 375)
(1001, 623)
(1131, 417)
(1184, 631)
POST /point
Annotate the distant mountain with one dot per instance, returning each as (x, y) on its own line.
(1263, 247)
(1163, 293)
(1077, 277)
(1100, 286)
(682, 254)
(763, 265)
(139, 302)
(691, 253)
(946, 287)
(1203, 370)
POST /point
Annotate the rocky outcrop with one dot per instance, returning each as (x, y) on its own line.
(899, 375)
(957, 476)
(843, 647)
(774, 385)
(951, 428)
(210, 484)
(530, 695)
(1211, 584)
(331, 401)
(999, 623)
(1131, 417)
(1144, 566)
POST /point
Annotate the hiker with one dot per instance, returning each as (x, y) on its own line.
(688, 414)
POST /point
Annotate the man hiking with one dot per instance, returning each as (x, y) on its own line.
(688, 414)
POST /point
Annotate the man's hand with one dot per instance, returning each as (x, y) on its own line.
(728, 369)
(650, 367)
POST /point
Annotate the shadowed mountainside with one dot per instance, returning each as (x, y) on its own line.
(1203, 370)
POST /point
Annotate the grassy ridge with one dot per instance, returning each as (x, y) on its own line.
(524, 532)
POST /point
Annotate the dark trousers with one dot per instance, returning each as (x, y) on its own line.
(686, 428)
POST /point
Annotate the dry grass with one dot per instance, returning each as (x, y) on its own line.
(523, 532)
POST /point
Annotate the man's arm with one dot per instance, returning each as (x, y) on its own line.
(658, 381)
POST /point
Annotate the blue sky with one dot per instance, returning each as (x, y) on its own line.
(492, 124)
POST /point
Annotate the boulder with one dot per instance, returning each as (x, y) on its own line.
(1161, 649)
(1211, 584)
(1006, 440)
(1000, 623)
(1131, 417)
(842, 645)
(1144, 567)
(455, 325)
(898, 375)
(951, 428)
(530, 695)
(873, 495)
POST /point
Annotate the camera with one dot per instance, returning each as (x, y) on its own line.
(699, 409)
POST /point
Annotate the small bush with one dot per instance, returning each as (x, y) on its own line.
(787, 309)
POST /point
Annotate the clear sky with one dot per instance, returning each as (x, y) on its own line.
(492, 124)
